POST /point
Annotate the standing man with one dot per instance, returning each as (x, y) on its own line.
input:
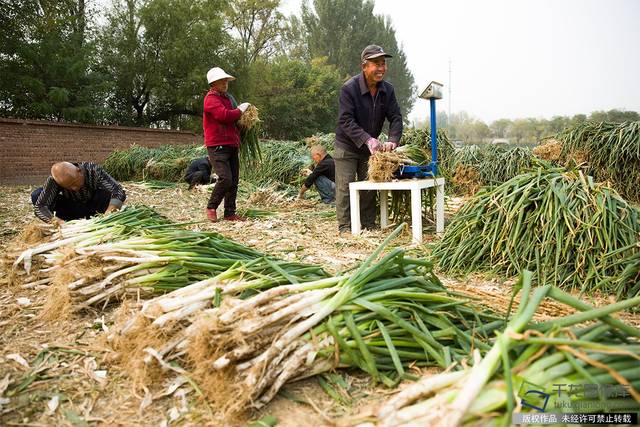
(366, 100)
(323, 175)
(222, 139)
(75, 191)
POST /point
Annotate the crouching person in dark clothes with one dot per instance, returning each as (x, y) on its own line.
(199, 172)
(222, 139)
(323, 175)
(77, 190)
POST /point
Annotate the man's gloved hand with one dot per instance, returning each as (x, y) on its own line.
(390, 146)
(374, 145)
(243, 107)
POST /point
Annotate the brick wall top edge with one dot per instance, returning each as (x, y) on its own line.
(77, 125)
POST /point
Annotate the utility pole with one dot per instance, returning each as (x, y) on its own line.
(449, 113)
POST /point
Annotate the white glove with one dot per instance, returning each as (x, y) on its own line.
(243, 107)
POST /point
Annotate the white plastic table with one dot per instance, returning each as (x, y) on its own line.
(415, 186)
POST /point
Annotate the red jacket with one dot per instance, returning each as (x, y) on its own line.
(219, 121)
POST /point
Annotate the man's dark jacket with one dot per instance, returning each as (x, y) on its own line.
(361, 115)
(326, 167)
(199, 165)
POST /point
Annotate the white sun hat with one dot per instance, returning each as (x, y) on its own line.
(217, 73)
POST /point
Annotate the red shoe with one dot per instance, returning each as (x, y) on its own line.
(235, 217)
(212, 215)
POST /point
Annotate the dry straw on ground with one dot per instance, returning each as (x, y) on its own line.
(267, 196)
(59, 302)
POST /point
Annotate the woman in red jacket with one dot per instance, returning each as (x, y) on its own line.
(222, 139)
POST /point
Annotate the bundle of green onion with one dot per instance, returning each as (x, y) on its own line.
(158, 261)
(152, 184)
(172, 315)
(572, 232)
(84, 232)
(417, 145)
(249, 125)
(548, 357)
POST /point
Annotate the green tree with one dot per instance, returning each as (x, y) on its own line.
(558, 123)
(296, 99)
(499, 128)
(577, 119)
(521, 131)
(340, 29)
(48, 56)
(480, 131)
(256, 27)
(614, 115)
(293, 40)
(156, 54)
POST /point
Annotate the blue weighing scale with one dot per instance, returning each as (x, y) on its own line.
(432, 92)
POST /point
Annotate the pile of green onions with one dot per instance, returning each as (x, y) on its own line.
(611, 152)
(572, 232)
(280, 163)
(164, 163)
(167, 260)
(384, 318)
(149, 259)
(500, 164)
(561, 351)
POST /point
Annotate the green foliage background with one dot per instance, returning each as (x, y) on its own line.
(143, 62)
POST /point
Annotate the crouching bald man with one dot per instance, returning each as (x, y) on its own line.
(75, 191)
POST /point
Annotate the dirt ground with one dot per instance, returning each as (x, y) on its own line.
(56, 372)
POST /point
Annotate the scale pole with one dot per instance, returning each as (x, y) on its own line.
(449, 115)
(434, 141)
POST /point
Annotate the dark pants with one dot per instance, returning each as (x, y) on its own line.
(67, 209)
(226, 164)
(351, 167)
(326, 189)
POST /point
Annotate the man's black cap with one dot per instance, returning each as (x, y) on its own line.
(373, 51)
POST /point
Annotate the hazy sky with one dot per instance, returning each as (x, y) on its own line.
(520, 58)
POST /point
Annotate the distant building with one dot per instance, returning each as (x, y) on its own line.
(500, 141)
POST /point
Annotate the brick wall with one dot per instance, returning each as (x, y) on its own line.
(28, 148)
